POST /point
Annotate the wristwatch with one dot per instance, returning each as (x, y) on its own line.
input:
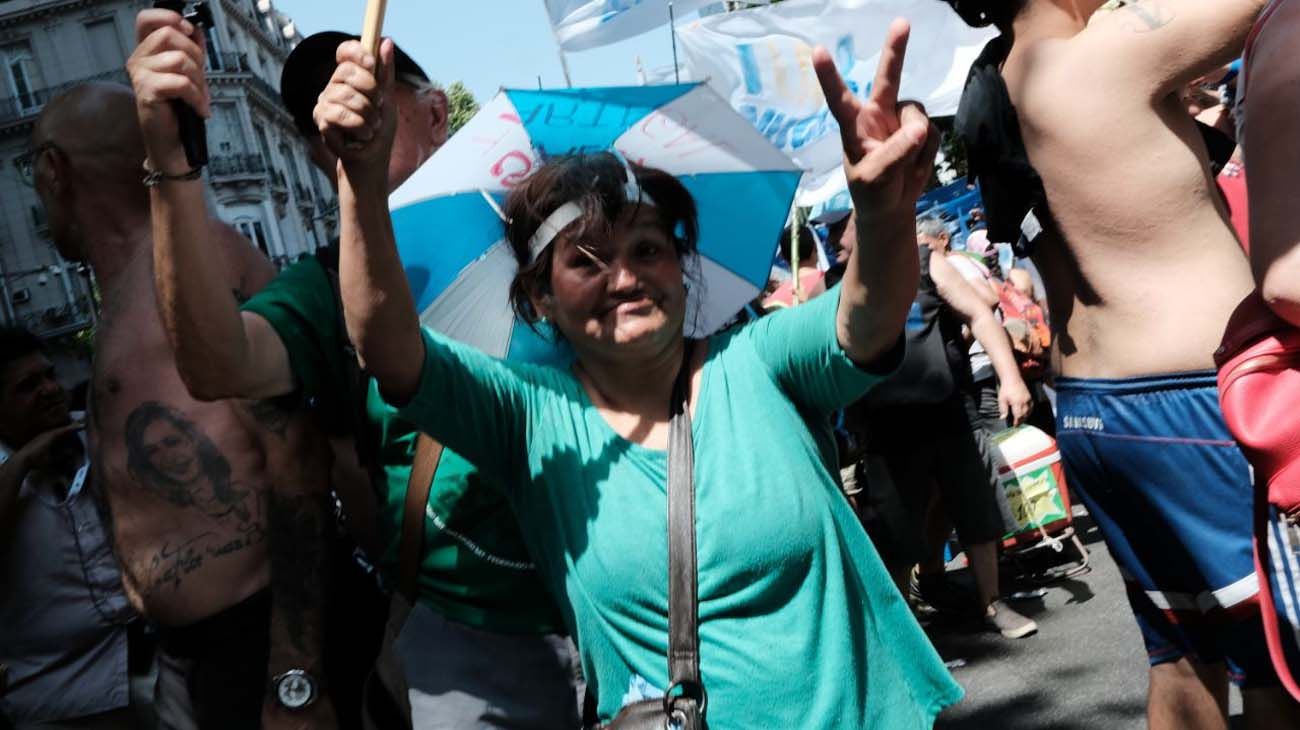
(295, 689)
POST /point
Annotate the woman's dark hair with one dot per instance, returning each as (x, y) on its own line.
(596, 183)
(981, 13)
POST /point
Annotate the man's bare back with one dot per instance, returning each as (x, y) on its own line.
(1149, 269)
(1143, 271)
(186, 481)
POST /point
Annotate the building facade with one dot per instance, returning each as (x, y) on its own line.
(260, 178)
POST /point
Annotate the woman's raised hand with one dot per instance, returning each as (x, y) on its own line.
(355, 113)
(889, 147)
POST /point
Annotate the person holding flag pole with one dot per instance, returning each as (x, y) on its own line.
(373, 25)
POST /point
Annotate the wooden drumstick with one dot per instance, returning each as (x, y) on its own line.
(373, 28)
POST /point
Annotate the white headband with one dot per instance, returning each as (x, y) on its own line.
(557, 221)
(565, 215)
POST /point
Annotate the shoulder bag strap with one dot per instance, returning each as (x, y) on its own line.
(427, 451)
(427, 455)
(356, 380)
(686, 699)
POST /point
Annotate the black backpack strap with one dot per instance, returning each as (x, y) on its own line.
(355, 379)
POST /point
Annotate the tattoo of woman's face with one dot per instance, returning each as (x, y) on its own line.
(168, 454)
(171, 452)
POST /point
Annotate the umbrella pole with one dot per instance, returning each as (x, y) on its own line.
(373, 28)
(672, 28)
(564, 66)
(794, 255)
(564, 60)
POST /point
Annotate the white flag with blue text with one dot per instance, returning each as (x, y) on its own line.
(583, 24)
(760, 60)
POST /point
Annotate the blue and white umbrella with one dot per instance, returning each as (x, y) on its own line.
(452, 241)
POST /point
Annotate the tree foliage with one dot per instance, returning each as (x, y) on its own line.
(461, 106)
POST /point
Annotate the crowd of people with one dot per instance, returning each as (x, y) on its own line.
(288, 504)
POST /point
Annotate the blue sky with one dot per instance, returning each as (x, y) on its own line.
(487, 44)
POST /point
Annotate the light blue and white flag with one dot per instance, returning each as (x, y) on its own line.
(447, 217)
(583, 24)
(760, 60)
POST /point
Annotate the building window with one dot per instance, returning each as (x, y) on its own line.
(105, 44)
(225, 130)
(261, 143)
(214, 49)
(253, 231)
(40, 222)
(319, 187)
(291, 163)
(22, 75)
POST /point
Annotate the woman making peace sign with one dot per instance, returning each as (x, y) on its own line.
(799, 624)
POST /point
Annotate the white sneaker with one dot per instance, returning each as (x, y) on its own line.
(1008, 622)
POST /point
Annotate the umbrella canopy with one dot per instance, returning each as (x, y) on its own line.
(452, 240)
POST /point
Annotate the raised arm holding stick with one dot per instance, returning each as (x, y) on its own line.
(477, 589)
(288, 519)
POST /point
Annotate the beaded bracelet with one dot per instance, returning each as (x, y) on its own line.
(153, 178)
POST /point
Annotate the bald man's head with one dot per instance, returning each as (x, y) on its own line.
(96, 123)
(88, 147)
(1023, 281)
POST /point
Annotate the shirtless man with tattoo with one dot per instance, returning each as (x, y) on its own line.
(1074, 126)
(213, 550)
(483, 644)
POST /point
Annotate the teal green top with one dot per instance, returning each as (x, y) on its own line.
(800, 624)
(475, 568)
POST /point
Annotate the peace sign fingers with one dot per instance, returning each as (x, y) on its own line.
(864, 126)
(889, 72)
(844, 106)
(888, 147)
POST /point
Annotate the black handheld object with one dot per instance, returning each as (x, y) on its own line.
(194, 133)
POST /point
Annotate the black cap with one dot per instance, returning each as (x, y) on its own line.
(308, 69)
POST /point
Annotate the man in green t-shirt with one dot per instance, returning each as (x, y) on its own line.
(482, 646)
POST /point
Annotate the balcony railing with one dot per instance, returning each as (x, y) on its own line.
(23, 106)
(254, 19)
(237, 64)
(231, 63)
(223, 166)
(271, 93)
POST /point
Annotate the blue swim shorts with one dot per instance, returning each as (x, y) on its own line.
(1154, 463)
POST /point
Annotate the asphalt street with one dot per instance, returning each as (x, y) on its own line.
(1085, 669)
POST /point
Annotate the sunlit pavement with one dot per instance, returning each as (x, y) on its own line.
(1085, 669)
